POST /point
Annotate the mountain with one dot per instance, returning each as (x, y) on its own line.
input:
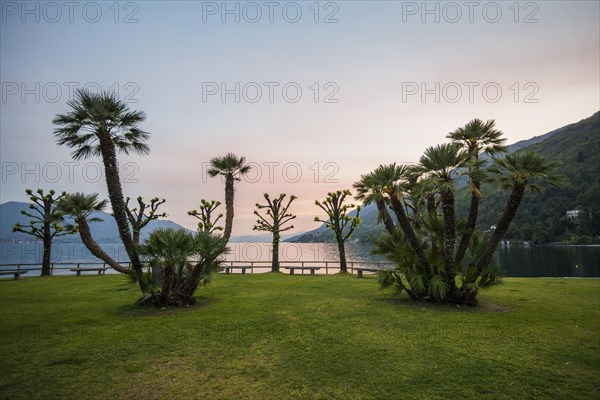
(366, 232)
(260, 238)
(104, 232)
(541, 217)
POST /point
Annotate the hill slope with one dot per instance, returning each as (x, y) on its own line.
(104, 232)
(542, 216)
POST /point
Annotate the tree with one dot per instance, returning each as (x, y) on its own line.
(371, 188)
(476, 137)
(80, 206)
(206, 224)
(46, 222)
(138, 218)
(338, 220)
(188, 260)
(232, 168)
(101, 125)
(440, 165)
(276, 217)
(517, 172)
(423, 250)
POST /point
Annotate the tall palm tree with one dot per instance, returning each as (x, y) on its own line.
(80, 206)
(371, 189)
(517, 172)
(440, 165)
(232, 168)
(101, 125)
(476, 137)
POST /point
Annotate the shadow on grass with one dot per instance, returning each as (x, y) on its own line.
(483, 306)
(131, 310)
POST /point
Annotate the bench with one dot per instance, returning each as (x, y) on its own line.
(360, 270)
(230, 268)
(80, 270)
(311, 269)
(16, 273)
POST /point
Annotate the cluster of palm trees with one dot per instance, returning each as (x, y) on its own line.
(422, 241)
(102, 125)
(429, 265)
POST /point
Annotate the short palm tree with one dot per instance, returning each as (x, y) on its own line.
(232, 168)
(476, 137)
(80, 206)
(187, 259)
(102, 125)
(517, 172)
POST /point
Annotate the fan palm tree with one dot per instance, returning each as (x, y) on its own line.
(476, 137)
(80, 206)
(232, 168)
(440, 165)
(393, 181)
(169, 249)
(517, 172)
(371, 189)
(102, 125)
(188, 260)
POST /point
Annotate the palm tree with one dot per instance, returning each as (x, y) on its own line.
(440, 165)
(476, 137)
(169, 249)
(394, 181)
(232, 168)
(517, 172)
(80, 206)
(187, 259)
(101, 125)
(371, 189)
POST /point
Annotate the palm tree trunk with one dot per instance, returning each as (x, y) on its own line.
(275, 257)
(342, 251)
(447, 197)
(385, 216)
(471, 222)
(115, 194)
(432, 212)
(229, 194)
(94, 248)
(431, 205)
(512, 205)
(406, 227)
(168, 280)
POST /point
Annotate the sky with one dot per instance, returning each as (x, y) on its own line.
(313, 94)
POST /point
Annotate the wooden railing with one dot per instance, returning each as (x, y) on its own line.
(260, 266)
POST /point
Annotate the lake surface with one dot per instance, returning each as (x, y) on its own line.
(516, 261)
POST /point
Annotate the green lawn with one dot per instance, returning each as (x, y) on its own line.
(275, 336)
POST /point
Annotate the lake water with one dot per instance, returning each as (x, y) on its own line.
(521, 261)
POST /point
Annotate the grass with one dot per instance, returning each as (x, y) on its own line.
(274, 336)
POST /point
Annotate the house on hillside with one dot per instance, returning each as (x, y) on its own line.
(573, 213)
